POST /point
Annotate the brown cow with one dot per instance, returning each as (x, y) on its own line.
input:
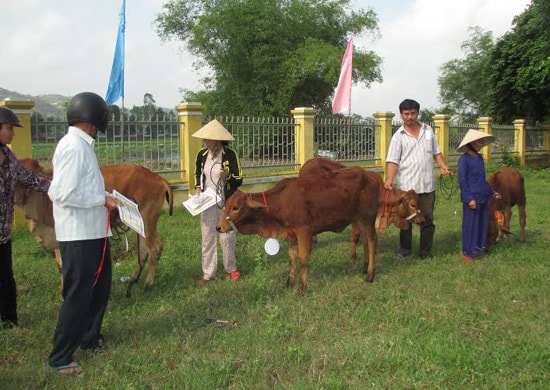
(395, 207)
(509, 183)
(146, 188)
(298, 208)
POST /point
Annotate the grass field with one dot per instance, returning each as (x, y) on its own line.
(439, 323)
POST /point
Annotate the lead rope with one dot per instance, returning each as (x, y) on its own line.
(267, 211)
(448, 185)
(100, 268)
(265, 202)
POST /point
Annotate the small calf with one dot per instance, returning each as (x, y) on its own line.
(509, 183)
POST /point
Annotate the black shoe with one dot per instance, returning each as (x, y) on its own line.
(426, 256)
(6, 324)
(99, 345)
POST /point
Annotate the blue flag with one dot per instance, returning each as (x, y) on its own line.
(115, 90)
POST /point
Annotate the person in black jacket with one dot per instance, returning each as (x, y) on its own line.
(217, 168)
(12, 172)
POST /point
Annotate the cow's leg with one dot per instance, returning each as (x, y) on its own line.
(304, 249)
(522, 222)
(143, 254)
(57, 256)
(507, 218)
(292, 255)
(355, 235)
(154, 247)
(368, 232)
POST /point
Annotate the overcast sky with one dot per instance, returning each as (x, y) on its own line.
(67, 46)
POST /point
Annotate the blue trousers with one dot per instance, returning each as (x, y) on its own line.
(475, 225)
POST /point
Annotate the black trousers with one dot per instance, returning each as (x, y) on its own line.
(427, 229)
(84, 305)
(8, 289)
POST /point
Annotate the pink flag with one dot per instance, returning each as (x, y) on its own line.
(342, 96)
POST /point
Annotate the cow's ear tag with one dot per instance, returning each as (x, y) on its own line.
(272, 246)
(499, 217)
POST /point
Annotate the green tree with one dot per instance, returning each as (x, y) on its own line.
(520, 67)
(268, 56)
(463, 83)
(149, 106)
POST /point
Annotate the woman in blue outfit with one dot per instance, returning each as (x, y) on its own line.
(475, 194)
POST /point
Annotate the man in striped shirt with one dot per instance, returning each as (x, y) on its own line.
(413, 148)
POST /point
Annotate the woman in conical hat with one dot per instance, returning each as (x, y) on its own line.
(218, 168)
(475, 193)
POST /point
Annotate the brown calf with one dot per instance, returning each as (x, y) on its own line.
(395, 207)
(146, 188)
(509, 183)
(298, 208)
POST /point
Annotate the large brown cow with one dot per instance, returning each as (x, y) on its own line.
(395, 207)
(146, 188)
(509, 183)
(298, 208)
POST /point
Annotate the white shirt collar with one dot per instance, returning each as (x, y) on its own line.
(73, 130)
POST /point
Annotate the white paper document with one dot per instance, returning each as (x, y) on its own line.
(196, 204)
(129, 213)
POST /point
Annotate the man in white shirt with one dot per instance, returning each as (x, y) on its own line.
(413, 148)
(81, 207)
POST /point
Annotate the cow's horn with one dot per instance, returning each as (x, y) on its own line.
(412, 216)
(230, 222)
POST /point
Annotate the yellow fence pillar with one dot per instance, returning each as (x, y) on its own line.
(486, 124)
(546, 142)
(22, 146)
(22, 143)
(190, 120)
(520, 139)
(383, 133)
(442, 125)
(303, 134)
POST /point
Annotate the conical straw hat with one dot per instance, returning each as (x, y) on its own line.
(473, 135)
(213, 130)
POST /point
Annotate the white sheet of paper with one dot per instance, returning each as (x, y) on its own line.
(196, 204)
(129, 213)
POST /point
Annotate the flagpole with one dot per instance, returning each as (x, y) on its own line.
(115, 89)
(122, 130)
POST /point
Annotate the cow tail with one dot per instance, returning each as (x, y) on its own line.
(169, 197)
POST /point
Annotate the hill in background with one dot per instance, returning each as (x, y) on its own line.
(51, 105)
(47, 105)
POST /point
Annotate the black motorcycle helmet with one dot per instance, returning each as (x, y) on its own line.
(7, 116)
(88, 107)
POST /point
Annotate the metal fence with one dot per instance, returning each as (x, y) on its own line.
(263, 144)
(345, 139)
(266, 146)
(535, 139)
(151, 142)
(505, 139)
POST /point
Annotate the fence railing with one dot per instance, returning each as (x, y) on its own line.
(272, 147)
(345, 139)
(153, 143)
(263, 144)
